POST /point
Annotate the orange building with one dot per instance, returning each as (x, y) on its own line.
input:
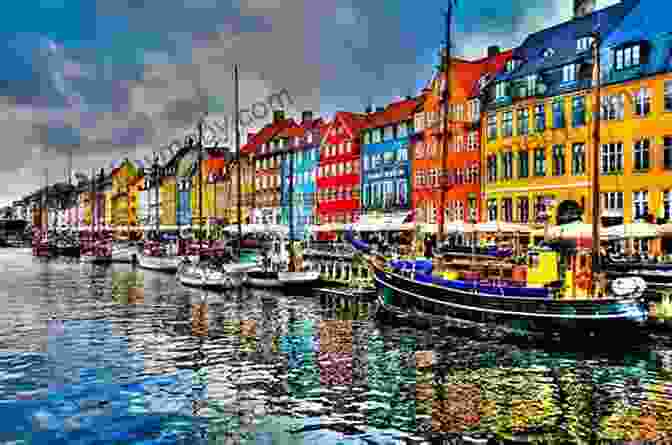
(460, 158)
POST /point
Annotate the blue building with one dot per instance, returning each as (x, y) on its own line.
(305, 158)
(385, 154)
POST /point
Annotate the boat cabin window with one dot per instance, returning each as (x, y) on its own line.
(533, 260)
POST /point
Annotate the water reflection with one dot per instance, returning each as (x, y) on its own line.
(133, 351)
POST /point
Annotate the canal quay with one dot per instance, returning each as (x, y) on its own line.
(114, 354)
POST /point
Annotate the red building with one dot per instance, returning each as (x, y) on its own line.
(338, 177)
(460, 157)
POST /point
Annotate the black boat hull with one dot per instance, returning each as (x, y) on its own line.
(397, 293)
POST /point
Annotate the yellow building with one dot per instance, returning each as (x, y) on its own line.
(537, 127)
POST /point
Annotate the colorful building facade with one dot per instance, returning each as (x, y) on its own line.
(385, 165)
(338, 174)
(268, 148)
(300, 178)
(537, 126)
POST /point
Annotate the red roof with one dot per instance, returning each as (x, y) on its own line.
(394, 113)
(266, 134)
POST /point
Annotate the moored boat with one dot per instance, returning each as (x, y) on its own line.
(304, 277)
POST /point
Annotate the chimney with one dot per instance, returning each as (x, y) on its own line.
(408, 97)
(278, 115)
(380, 109)
(368, 109)
(307, 116)
(493, 50)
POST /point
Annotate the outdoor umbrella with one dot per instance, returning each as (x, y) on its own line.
(637, 230)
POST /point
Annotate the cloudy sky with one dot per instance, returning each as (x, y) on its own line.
(104, 79)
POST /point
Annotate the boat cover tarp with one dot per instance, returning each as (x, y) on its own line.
(504, 291)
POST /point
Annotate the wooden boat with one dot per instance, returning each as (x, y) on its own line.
(527, 307)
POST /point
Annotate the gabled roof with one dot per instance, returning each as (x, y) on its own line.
(394, 113)
(562, 39)
(266, 134)
(353, 123)
(644, 22)
(489, 66)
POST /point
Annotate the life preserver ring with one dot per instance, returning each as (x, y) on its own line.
(628, 286)
(582, 280)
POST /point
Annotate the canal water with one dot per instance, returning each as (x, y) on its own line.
(109, 354)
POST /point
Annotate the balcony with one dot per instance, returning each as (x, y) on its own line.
(633, 72)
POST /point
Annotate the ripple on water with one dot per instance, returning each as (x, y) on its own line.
(133, 356)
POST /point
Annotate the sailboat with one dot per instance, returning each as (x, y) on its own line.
(154, 254)
(217, 272)
(98, 249)
(580, 302)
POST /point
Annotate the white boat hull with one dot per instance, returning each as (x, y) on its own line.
(194, 276)
(95, 259)
(164, 263)
(270, 280)
(298, 277)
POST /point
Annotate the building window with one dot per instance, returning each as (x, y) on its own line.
(558, 160)
(523, 210)
(578, 159)
(540, 208)
(507, 165)
(523, 121)
(507, 209)
(492, 126)
(367, 137)
(507, 124)
(471, 141)
(642, 100)
(667, 203)
(584, 44)
(388, 134)
(523, 164)
(539, 117)
(569, 73)
(641, 154)
(511, 65)
(578, 111)
(500, 90)
(492, 210)
(612, 202)
(612, 107)
(640, 204)
(539, 162)
(559, 113)
(531, 82)
(667, 152)
(402, 154)
(377, 135)
(612, 158)
(668, 95)
(627, 57)
(474, 110)
(402, 130)
(492, 168)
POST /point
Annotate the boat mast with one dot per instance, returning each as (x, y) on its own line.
(596, 156)
(446, 134)
(291, 209)
(238, 156)
(155, 174)
(200, 185)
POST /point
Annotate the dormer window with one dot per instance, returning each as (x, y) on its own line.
(512, 64)
(569, 73)
(548, 52)
(584, 44)
(627, 57)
